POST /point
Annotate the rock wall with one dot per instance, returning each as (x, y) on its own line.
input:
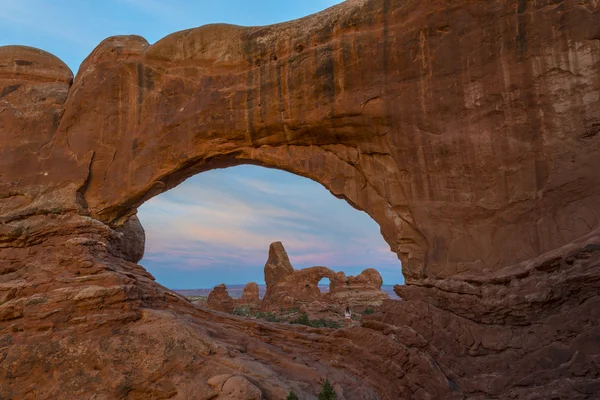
(467, 130)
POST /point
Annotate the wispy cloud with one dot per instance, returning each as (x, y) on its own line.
(228, 218)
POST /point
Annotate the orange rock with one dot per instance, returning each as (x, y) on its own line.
(250, 296)
(278, 265)
(288, 288)
(220, 300)
(469, 131)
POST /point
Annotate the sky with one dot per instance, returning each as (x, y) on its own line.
(215, 227)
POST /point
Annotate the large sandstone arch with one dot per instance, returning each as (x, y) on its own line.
(466, 159)
(468, 130)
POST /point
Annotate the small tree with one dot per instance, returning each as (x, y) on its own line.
(291, 396)
(302, 319)
(327, 393)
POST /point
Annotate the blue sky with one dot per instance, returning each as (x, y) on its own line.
(215, 227)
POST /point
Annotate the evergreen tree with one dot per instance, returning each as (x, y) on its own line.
(327, 393)
(291, 396)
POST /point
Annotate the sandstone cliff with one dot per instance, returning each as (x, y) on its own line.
(469, 131)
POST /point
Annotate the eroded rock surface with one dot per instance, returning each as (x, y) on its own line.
(278, 264)
(469, 131)
(289, 288)
(363, 290)
(231, 387)
(250, 296)
(220, 300)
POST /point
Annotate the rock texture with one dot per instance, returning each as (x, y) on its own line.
(287, 288)
(469, 131)
(278, 265)
(250, 296)
(231, 387)
(220, 300)
(363, 290)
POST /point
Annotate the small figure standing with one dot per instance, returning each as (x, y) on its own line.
(348, 315)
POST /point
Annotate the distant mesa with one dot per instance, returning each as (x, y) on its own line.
(290, 288)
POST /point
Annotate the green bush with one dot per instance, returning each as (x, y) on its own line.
(291, 396)
(302, 320)
(244, 311)
(327, 392)
(368, 311)
(324, 323)
(271, 317)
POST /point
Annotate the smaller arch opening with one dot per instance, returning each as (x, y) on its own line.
(324, 285)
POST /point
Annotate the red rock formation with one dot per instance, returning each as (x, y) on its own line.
(250, 296)
(467, 130)
(363, 290)
(220, 300)
(288, 288)
(278, 264)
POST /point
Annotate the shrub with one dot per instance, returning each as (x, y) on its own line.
(327, 392)
(302, 320)
(291, 396)
(368, 311)
(324, 323)
(271, 317)
(244, 311)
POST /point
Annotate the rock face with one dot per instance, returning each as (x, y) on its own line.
(231, 387)
(363, 290)
(220, 300)
(278, 265)
(287, 288)
(469, 131)
(250, 296)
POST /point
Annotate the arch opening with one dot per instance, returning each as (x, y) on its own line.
(216, 227)
(324, 285)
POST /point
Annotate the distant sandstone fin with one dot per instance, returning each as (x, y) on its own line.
(278, 265)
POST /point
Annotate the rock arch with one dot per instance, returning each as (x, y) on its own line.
(431, 149)
(468, 130)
